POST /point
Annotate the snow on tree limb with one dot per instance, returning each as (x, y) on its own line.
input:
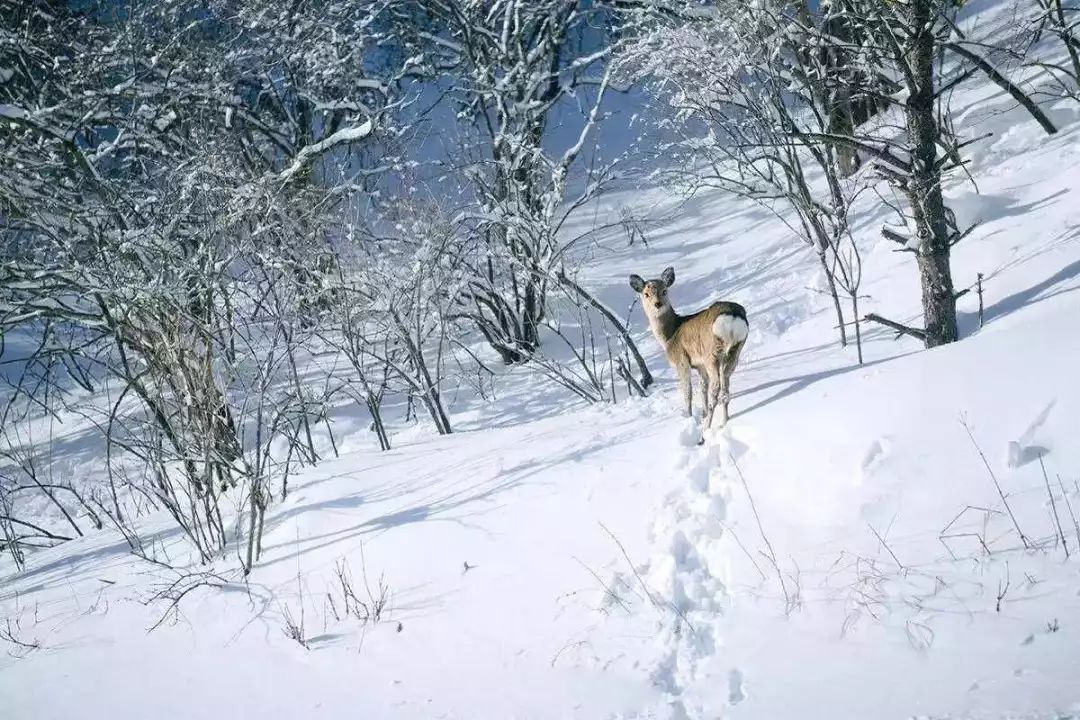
(309, 153)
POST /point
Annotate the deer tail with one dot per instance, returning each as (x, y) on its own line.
(731, 329)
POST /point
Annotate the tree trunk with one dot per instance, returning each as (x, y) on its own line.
(842, 123)
(530, 318)
(939, 303)
(924, 184)
(373, 404)
(858, 327)
(821, 253)
(838, 88)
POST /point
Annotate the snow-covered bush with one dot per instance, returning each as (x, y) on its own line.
(168, 180)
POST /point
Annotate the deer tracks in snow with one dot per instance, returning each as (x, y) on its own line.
(682, 589)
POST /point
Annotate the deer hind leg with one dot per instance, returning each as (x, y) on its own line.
(715, 387)
(728, 364)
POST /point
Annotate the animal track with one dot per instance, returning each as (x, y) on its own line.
(735, 687)
(875, 456)
(686, 574)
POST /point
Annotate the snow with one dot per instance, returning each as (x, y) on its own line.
(12, 112)
(838, 550)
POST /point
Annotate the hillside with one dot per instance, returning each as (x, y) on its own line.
(841, 549)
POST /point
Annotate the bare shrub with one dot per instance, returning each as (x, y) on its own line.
(294, 629)
(372, 607)
(21, 642)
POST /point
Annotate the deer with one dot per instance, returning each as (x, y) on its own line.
(708, 341)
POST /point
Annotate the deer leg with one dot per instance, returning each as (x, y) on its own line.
(725, 395)
(686, 387)
(716, 376)
(703, 378)
(731, 359)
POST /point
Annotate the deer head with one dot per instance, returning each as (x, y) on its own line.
(654, 295)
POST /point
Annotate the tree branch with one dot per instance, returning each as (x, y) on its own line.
(899, 328)
(1003, 82)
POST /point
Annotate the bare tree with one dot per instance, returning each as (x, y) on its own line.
(165, 182)
(1058, 18)
(907, 38)
(508, 67)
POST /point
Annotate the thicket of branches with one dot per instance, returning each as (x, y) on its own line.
(200, 203)
(170, 181)
(197, 202)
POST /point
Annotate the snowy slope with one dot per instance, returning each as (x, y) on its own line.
(838, 551)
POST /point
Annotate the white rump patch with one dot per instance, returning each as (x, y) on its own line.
(730, 329)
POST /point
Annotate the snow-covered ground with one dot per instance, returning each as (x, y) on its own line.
(839, 550)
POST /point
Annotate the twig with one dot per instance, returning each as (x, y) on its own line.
(1068, 505)
(295, 630)
(739, 542)
(9, 635)
(175, 591)
(1003, 590)
(607, 590)
(757, 518)
(652, 599)
(566, 647)
(1053, 507)
(609, 314)
(979, 290)
(886, 546)
(1001, 493)
(629, 562)
(946, 535)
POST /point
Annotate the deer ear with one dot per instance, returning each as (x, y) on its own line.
(637, 283)
(668, 276)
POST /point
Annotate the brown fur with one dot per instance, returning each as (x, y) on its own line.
(690, 343)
